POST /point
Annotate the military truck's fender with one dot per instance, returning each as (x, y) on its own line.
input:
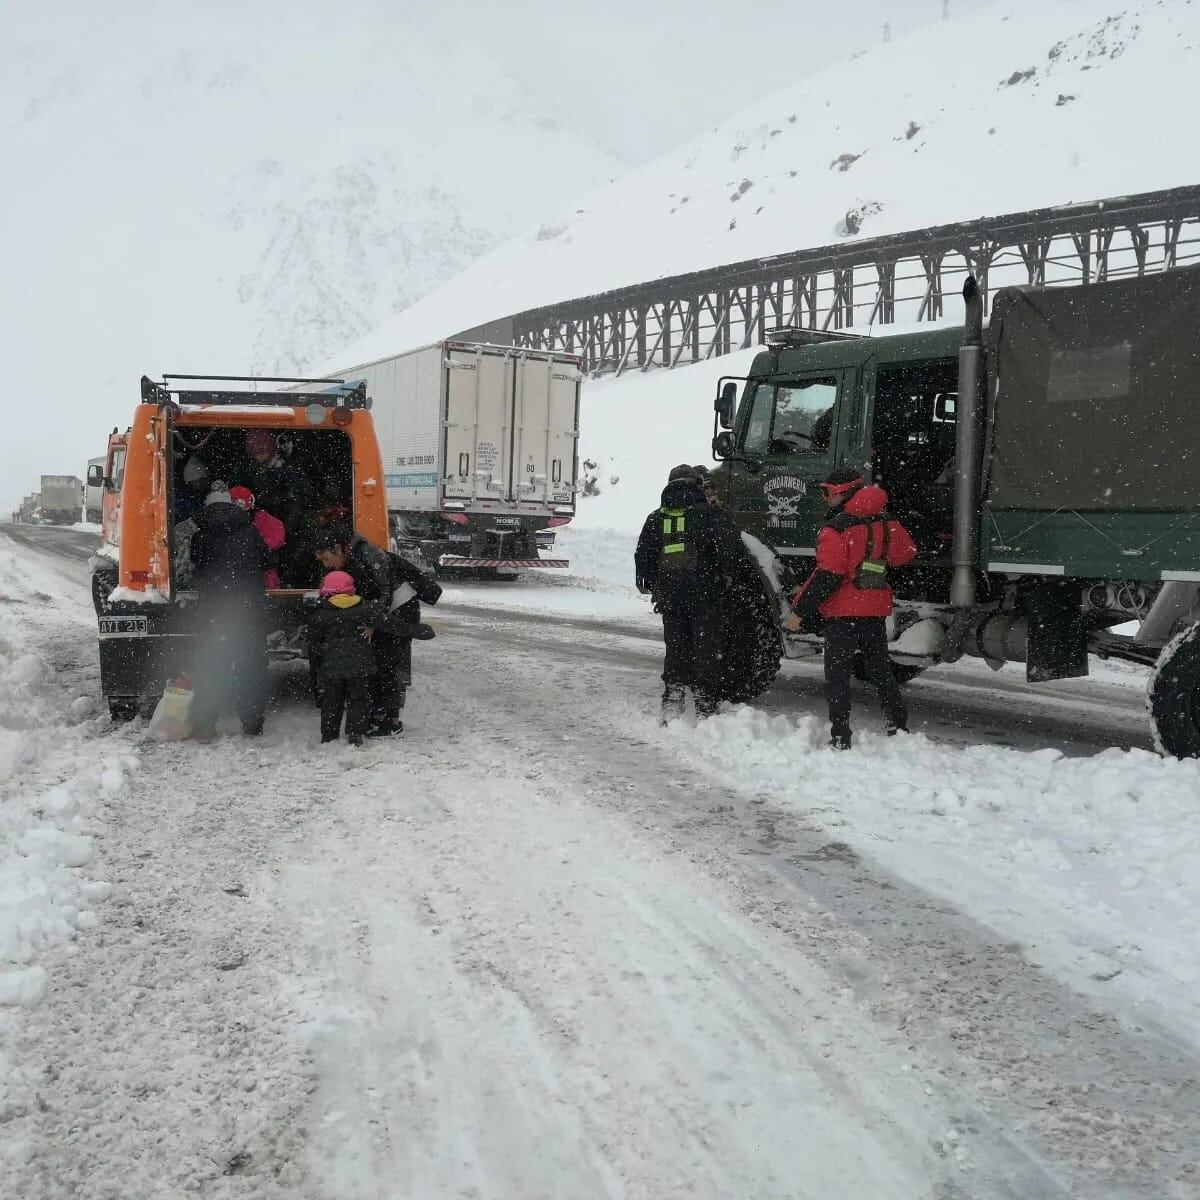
(1173, 696)
(751, 634)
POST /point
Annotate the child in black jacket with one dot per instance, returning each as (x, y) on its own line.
(339, 636)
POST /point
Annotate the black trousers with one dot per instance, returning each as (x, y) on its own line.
(351, 696)
(847, 638)
(692, 636)
(387, 684)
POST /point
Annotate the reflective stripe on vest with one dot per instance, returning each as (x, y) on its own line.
(673, 527)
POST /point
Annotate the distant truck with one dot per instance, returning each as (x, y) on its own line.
(29, 507)
(93, 501)
(62, 499)
(479, 447)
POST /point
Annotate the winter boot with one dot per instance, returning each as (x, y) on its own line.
(355, 739)
(387, 727)
(895, 727)
(673, 698)
(839, 739)
(706, 704)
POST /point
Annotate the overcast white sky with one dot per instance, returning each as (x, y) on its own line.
(644, 75)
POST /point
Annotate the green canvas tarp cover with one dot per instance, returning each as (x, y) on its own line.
(1096, 395)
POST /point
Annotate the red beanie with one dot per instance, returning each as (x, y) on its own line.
(243, 497)
(259, 441)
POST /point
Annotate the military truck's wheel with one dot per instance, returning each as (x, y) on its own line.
(1174, 696)
(750, 646)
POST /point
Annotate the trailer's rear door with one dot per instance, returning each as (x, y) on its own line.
(546, 398)
(479, 388)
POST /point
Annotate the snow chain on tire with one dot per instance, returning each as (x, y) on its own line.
(1173, 696)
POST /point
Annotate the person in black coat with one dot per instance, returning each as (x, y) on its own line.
(228, 559)
(685, 556)
(397, 584)
(279, 486)
(340, 634)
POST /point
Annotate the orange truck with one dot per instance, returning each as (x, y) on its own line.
(144, 604)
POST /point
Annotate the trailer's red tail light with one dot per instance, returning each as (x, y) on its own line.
(457, 518)
(342, 417)
(554, 522)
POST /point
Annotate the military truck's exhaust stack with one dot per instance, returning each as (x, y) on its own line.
(968, 451)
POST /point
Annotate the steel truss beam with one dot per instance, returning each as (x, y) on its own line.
(899, 279)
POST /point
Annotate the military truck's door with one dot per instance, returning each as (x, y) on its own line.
(790, 427)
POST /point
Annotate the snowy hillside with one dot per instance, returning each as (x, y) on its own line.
(1000, 112)
(227, 191)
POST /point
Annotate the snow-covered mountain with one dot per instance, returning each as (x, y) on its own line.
(235, 188)
(1014, 108)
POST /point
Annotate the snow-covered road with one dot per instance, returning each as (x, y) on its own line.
(540, 948)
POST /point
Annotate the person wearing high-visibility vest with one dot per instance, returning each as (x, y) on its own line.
(685, 556)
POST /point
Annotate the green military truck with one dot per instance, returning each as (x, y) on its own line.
(1047, 464)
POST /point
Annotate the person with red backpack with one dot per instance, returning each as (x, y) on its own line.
(849, 592)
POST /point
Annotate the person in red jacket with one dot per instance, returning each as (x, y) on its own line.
(849, 589)
(270, 529)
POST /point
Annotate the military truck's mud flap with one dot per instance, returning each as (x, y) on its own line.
(1174, 696)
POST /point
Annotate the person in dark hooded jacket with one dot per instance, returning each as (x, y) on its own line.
(379, 577)
(685, 556)
(228, 559)
(849, 592)
(341, 631)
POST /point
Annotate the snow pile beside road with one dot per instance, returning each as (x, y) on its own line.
(52, 789)
(1092, 865)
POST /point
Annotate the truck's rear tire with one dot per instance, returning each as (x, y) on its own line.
(122, 709)
(1174, 696)
(750, 644)
(103, 583)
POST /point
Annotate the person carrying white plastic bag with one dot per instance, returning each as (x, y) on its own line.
(172, 715)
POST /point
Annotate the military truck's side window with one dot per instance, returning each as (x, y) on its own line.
(758, 424)
(792, 418)
(116, 470)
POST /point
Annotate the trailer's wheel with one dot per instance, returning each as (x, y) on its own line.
(750, 647)
(1174, 696)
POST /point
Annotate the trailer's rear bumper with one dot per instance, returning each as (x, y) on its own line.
(503, 564)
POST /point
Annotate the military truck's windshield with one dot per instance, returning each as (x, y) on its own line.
(790, 418)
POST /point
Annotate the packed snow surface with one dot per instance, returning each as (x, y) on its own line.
(542, 947)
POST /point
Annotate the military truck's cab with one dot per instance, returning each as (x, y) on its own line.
(1046, 468)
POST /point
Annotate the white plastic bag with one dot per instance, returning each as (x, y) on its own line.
(172, 715)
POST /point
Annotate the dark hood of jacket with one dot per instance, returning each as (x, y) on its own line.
(868, 501)
(222, 519)
(682, 493)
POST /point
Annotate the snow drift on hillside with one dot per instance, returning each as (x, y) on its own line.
(634, 428)
(1066, 102)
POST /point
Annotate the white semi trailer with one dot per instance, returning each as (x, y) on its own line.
(479, 447)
